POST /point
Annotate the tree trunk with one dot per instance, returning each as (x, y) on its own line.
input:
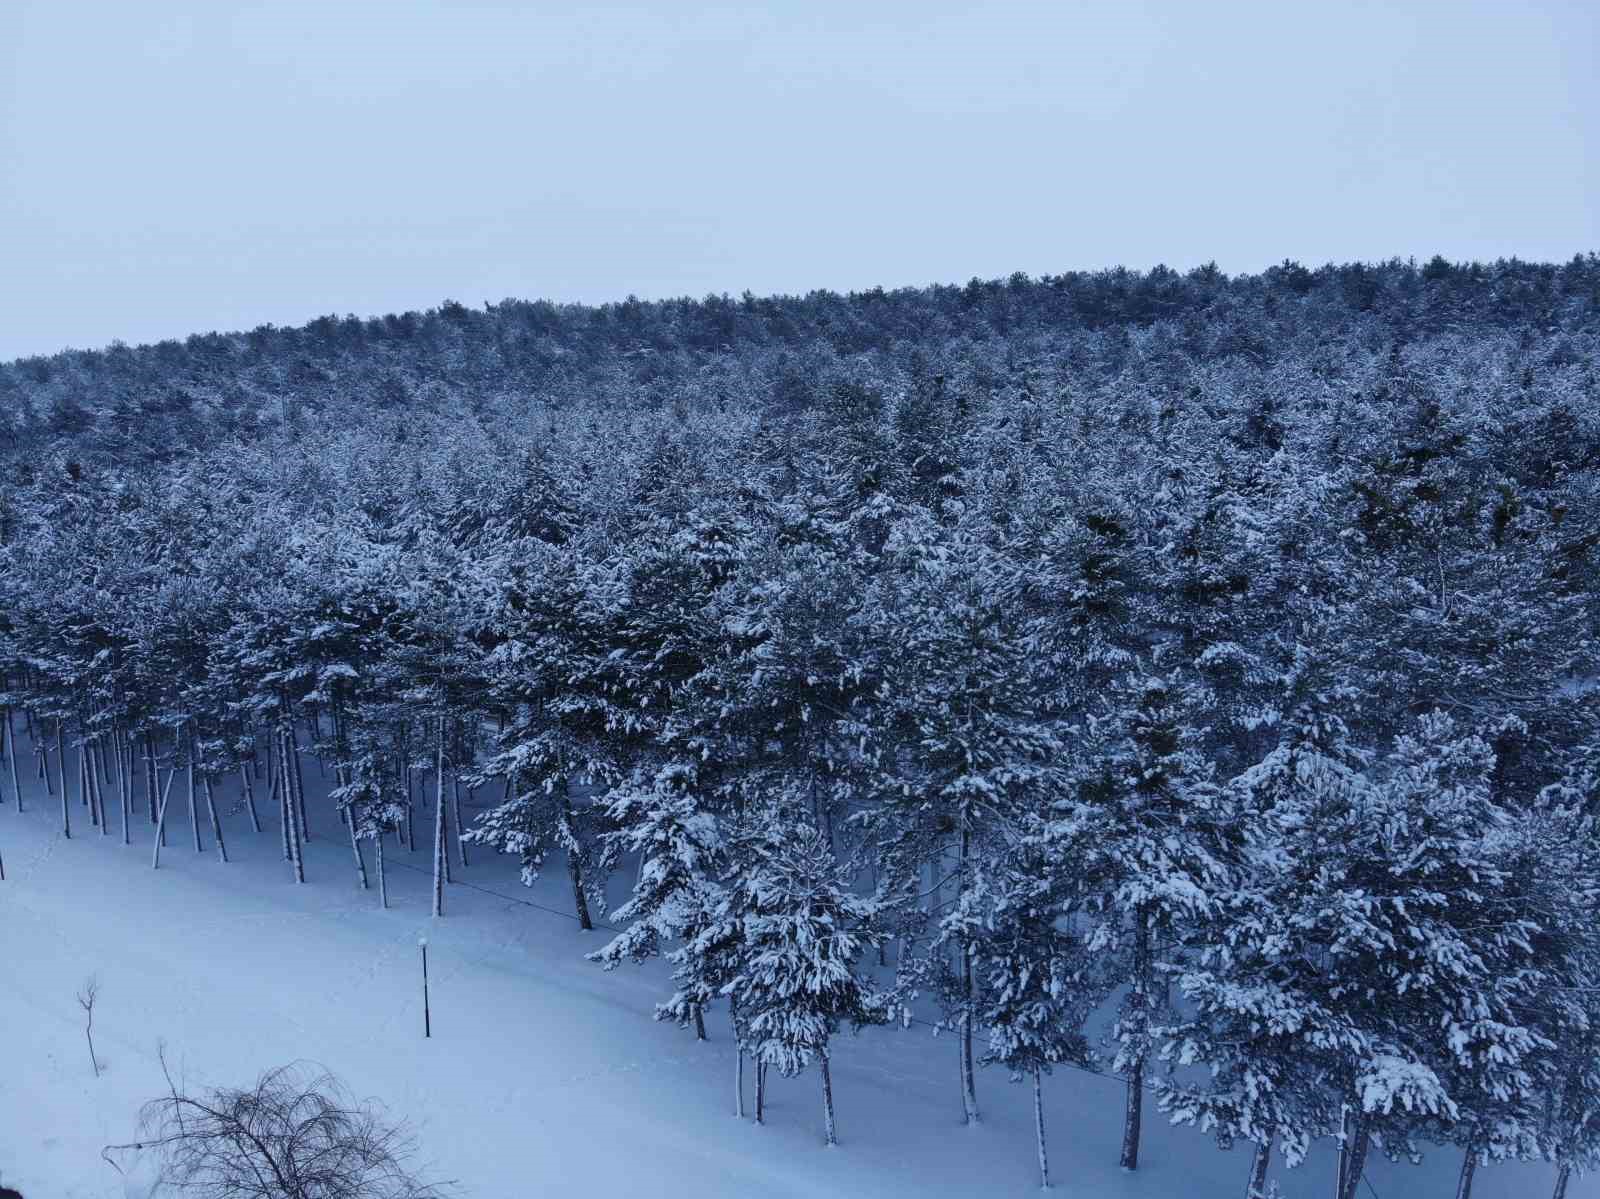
(1356, 1164)
(355, 848)
(122, 780)
(1344, 1151)
(277, 790)
(125, 791)
(1138, 1001)
(438, 831)
(699, 1023)
(97, 793)
(11, 746)
(383, 877)
(151, 784)
(828, 1135)
(579, 899)
(296, 852)
(247, 789)
(161, 822)
(1469, 1167)
(1563, 1177)
(194, 806)
(455, 814)
(1038, 1130)
(61, 770)
(216, 820)
(299, 783)
(761, 1091)
(969, 1084)
(1258, 1171)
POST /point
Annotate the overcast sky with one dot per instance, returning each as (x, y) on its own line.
(167, 168)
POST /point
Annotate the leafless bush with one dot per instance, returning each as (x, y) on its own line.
(296, 1134)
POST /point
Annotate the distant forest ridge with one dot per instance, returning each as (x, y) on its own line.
(779, 353)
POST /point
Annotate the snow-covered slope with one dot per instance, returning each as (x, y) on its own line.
(544, 1076)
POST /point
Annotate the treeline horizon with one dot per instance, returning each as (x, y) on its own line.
(1221, 650)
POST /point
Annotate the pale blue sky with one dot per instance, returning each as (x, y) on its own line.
(173, 167)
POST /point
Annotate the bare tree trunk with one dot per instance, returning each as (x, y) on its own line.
(97, 795)
(439, 856)
(279, 791)
(296, 856)
(828, 1135)
(61, 770)
(969, 1085)
(1563, 1177)
(194, 807)
(699, 1023)
(355, 848)
(299, 783)
(1258, 1170)
(1469, 1167)
(161, 822)
(455, 812)
(579, 899)
(1134, 1116)
(216, 821)
(738, 1057)
(1357, 1162)
(11, 747)
(1344, 1151)
(761, 1091)
(125, 789)
(247, 788)
(383, 877)
(150, 782)
(1038, 1130)
(122, 780)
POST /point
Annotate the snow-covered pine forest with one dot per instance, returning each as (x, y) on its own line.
(1186, 676)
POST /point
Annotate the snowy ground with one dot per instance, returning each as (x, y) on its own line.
(544, 1076)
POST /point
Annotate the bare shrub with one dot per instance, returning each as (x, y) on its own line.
(295, 1134)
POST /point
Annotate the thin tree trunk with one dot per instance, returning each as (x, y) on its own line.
(11, 745)
(1469, 1167)
(125, 791)
(1038, 1129)
(969, 1084)
(355, 848)
(579, 899)
(248, 788)
(61, 770)
(97, 795)
(699, 1023)
(1357, 1162)
(1258, 1170)
(438, 831)
(455, 813)
(761, 1091)
(299, 783)
(122, 780)
(1344, 1151)
(296, 856)
(828, 1135)
(1134, 1115)
(216, 821)
(738, 1057)
(1563, 1177)
(150, 782)
(383, 877)
(278, 792)
(161, 822)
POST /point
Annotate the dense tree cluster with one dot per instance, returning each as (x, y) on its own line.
(1193, 674)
